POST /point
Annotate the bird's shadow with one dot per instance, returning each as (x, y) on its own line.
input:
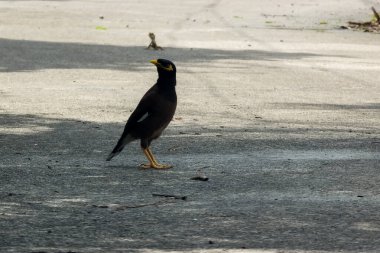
(120, 166)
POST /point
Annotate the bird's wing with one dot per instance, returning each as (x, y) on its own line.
(139, 114)
(143, 108)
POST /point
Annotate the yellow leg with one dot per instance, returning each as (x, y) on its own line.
(152, 156)
(153, 162)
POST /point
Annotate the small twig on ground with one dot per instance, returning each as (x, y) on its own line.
(359, 23)
(169, 196)
(124, 207)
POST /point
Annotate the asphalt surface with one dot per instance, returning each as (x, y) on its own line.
(278, 108)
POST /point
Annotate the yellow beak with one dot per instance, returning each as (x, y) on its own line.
(155, 62)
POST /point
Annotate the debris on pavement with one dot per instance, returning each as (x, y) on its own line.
(102, 28)
(370, 26)
(169, 196)
(124, 207)
(200, 178)
(119, 207)
(101, 206)
(153, 43)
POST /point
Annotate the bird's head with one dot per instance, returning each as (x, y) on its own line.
(166, 70)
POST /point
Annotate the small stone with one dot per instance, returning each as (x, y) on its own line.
(200, 178)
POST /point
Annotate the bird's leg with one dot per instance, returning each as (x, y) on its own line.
(152, 156)
(153, 162)
(157, 164)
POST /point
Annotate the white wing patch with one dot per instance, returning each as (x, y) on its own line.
(143, 117)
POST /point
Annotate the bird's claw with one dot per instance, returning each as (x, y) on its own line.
(155, 166)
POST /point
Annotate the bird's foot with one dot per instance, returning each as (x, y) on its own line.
(156, 166)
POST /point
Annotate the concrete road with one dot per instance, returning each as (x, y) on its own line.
(277, 107)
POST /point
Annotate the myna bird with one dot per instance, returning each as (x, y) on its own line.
(152, 115)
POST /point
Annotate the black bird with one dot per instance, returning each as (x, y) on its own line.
(152, 115)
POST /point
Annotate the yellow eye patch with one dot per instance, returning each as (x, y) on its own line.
(170, 68)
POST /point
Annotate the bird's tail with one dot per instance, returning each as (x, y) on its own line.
(124, 140)
(115, 152)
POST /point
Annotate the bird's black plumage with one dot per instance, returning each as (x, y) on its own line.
(153, 113)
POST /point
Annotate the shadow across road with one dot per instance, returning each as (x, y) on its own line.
(58, 193)
(27, 55)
